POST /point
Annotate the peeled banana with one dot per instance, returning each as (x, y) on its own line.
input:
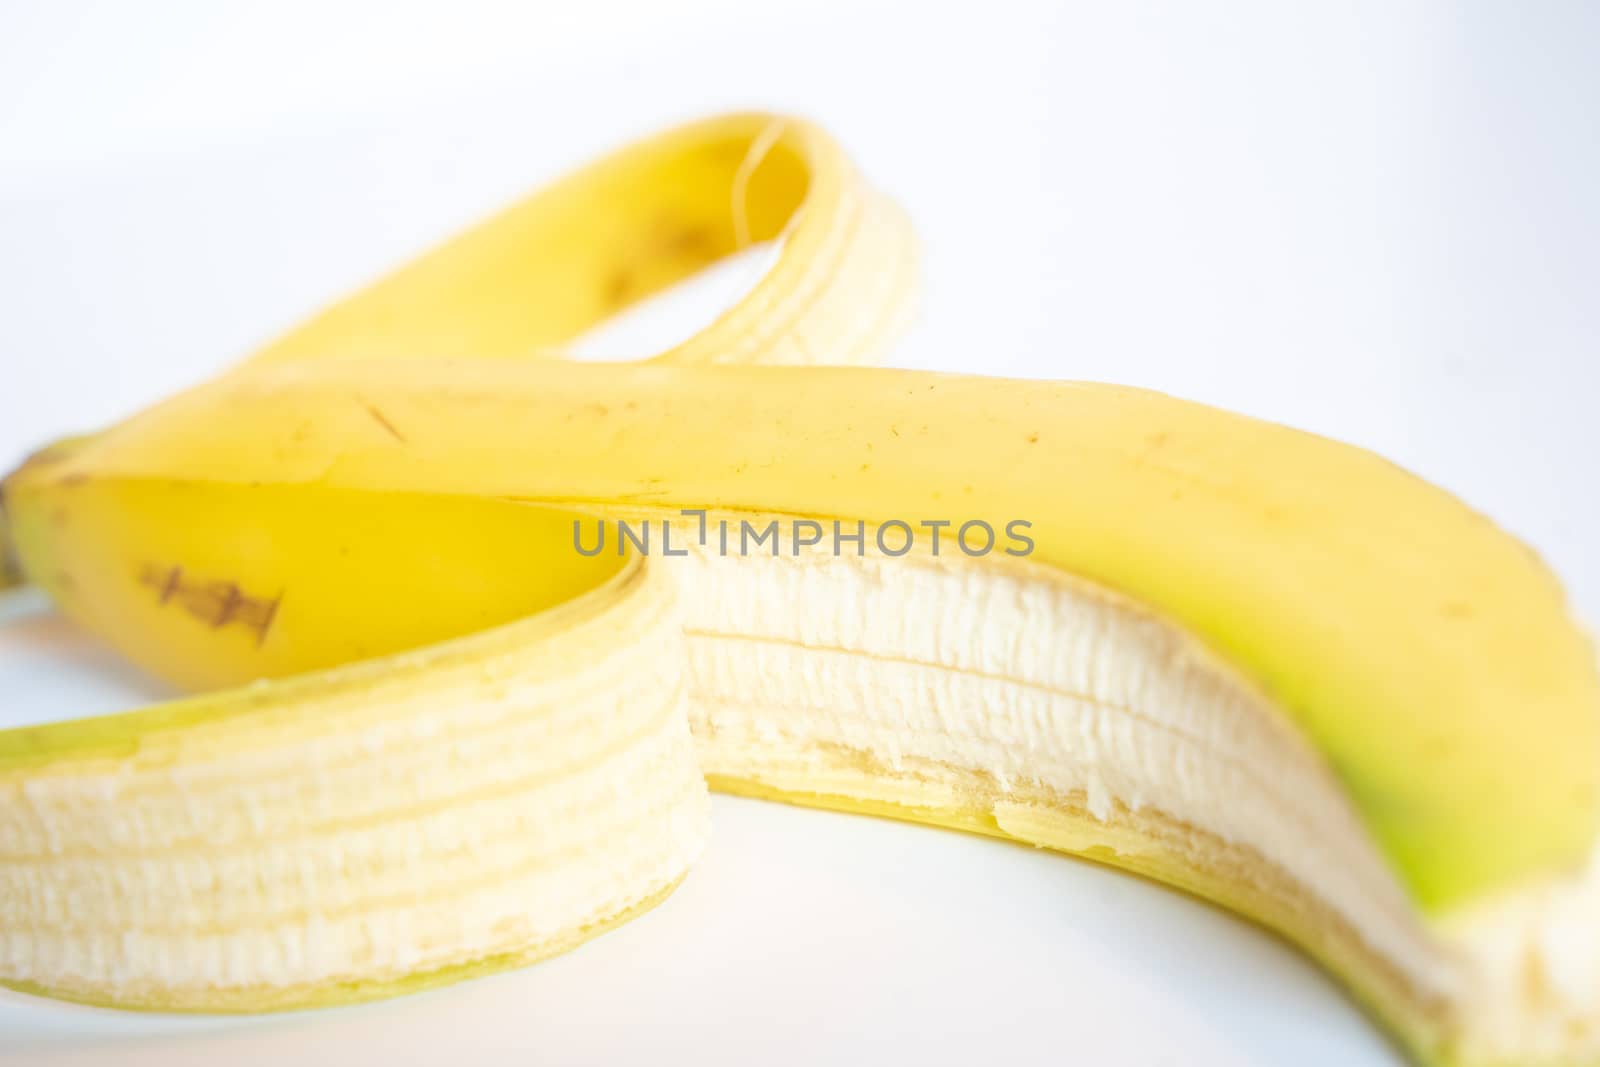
(524, 608)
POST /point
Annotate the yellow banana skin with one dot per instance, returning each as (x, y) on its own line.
(534, 277)
(302, 512)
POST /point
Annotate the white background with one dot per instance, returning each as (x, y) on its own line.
(1378, 222)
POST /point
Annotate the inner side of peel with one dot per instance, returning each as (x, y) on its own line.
(367, 830)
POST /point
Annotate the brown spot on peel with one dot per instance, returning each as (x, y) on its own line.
(618, 288)
(379, 418)
(230, 604)
(215, 603)
(694, 240)
(638, 265)
(267, 620)
(170, 586)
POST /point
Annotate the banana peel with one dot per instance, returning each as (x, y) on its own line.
(1258, 665)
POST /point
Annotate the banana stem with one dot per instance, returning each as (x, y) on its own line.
(10, 564)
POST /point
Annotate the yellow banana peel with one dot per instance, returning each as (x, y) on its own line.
(521, 609)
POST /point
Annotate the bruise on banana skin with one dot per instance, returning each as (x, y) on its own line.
(216, 603)
(669, 243)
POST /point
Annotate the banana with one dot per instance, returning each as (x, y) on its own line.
(524, 608)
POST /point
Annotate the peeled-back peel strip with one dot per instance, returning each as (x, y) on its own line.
(429, 770)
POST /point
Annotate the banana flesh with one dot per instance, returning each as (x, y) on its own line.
(1215, 669)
